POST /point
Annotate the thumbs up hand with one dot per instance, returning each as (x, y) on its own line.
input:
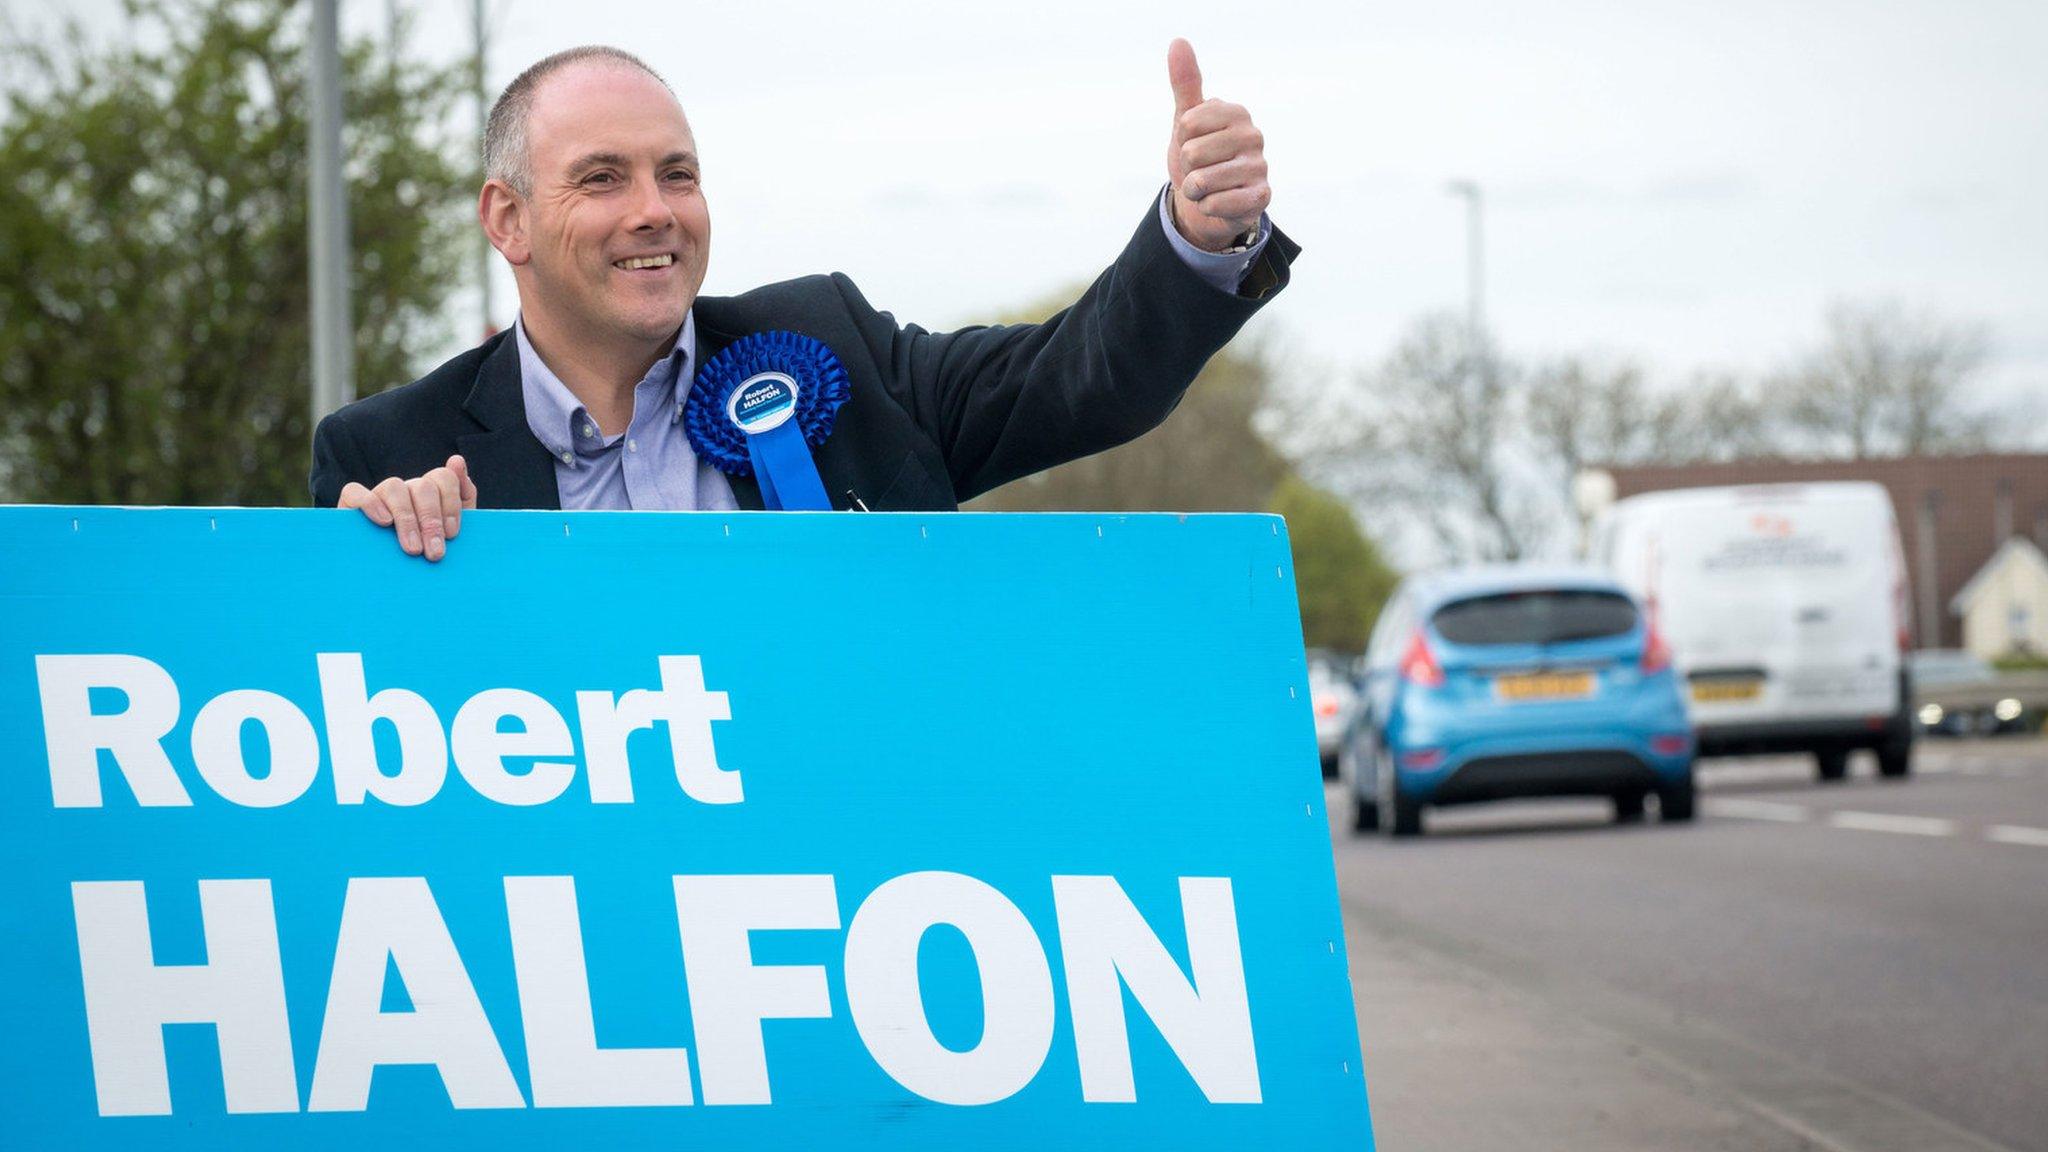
(1216, 160)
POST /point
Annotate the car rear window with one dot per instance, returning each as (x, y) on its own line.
(1535, 617)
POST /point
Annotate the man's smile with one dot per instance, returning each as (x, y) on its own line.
(645, 263)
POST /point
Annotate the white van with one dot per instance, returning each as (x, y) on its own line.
(1785, 608)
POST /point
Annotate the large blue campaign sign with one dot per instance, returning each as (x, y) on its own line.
(630, 830)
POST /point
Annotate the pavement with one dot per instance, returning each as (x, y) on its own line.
(1853, 967)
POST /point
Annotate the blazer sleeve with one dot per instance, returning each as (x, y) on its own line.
(1006, 401)
(337, 459)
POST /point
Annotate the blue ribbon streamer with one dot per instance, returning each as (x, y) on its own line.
(788, 477)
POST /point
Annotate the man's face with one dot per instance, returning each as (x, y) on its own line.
(618, 231)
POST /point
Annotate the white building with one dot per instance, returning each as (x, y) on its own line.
(2004, 607)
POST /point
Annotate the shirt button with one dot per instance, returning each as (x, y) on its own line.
(588, 431)
(567, 457)
(631, 446)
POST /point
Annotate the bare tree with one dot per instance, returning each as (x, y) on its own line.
(1581, 411)
(1481, 457)
(1721, 417)
(1888, 380)
(1431, 434)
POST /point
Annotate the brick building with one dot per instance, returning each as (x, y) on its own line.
(1954, 512)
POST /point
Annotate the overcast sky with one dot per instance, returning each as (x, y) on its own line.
(1682, 182)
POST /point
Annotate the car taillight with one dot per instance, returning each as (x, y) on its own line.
(1326, 707)
(1422, 759)
(1656, 653)
(1418, 663)
(1902, 613)
(1671, 743)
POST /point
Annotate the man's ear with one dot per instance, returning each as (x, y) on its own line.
(502, 212)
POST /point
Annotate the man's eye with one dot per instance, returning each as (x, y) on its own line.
(682, 175)
(600, 178)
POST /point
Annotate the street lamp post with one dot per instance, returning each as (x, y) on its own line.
(1475, 258)
(483, 110)
(327, 222)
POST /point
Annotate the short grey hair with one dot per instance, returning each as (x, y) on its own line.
(506, 157)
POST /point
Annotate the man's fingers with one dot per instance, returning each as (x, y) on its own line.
(1236, 172)
(450, 486)
(1243, 142)
(425, 512)
(398, 498)
(1185, 75)
(354, 495)
(1215, 116)
(460, 467)
(431, 525)
(1241, 205)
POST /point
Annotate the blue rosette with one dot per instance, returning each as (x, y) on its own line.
(758, 407)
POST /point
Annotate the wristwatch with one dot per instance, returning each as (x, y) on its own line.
(1239, 245)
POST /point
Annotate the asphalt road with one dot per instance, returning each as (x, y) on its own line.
(1856, 966)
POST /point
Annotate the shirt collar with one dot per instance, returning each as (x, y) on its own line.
(556, 417)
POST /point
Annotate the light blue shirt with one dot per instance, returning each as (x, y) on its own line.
(1223, 271)
(648, 466)
(651, 466)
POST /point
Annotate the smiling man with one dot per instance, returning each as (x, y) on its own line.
(594, 194)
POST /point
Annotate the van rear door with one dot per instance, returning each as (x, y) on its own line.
(1779, 605)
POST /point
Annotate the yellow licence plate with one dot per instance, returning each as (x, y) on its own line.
(1715, 691)
(1544, 686)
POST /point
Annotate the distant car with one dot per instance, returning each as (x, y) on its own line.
(1515, 680)
(1959, 695)
(1333, 699)
(1785, 606)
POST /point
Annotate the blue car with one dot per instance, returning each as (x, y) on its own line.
(1505, 681)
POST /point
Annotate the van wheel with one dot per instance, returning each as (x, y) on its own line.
(1895, 761)
(1834, 763)
(1628, 807)
(1675, 801)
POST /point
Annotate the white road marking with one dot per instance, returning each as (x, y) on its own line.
(1740, 809)
(1735, 808)
(2017, 834)
(1760, 773)
(1885, 822)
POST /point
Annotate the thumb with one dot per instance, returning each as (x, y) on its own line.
(1185, 74)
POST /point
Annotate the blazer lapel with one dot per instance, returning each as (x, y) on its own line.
(511, 468)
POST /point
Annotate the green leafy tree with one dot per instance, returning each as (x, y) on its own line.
(154, 341)
(1338, 572)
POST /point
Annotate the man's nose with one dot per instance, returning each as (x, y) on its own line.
(649, 210)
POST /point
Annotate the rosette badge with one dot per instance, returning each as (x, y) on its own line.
(760, 406)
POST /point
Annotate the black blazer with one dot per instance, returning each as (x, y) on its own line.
(933, 418)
